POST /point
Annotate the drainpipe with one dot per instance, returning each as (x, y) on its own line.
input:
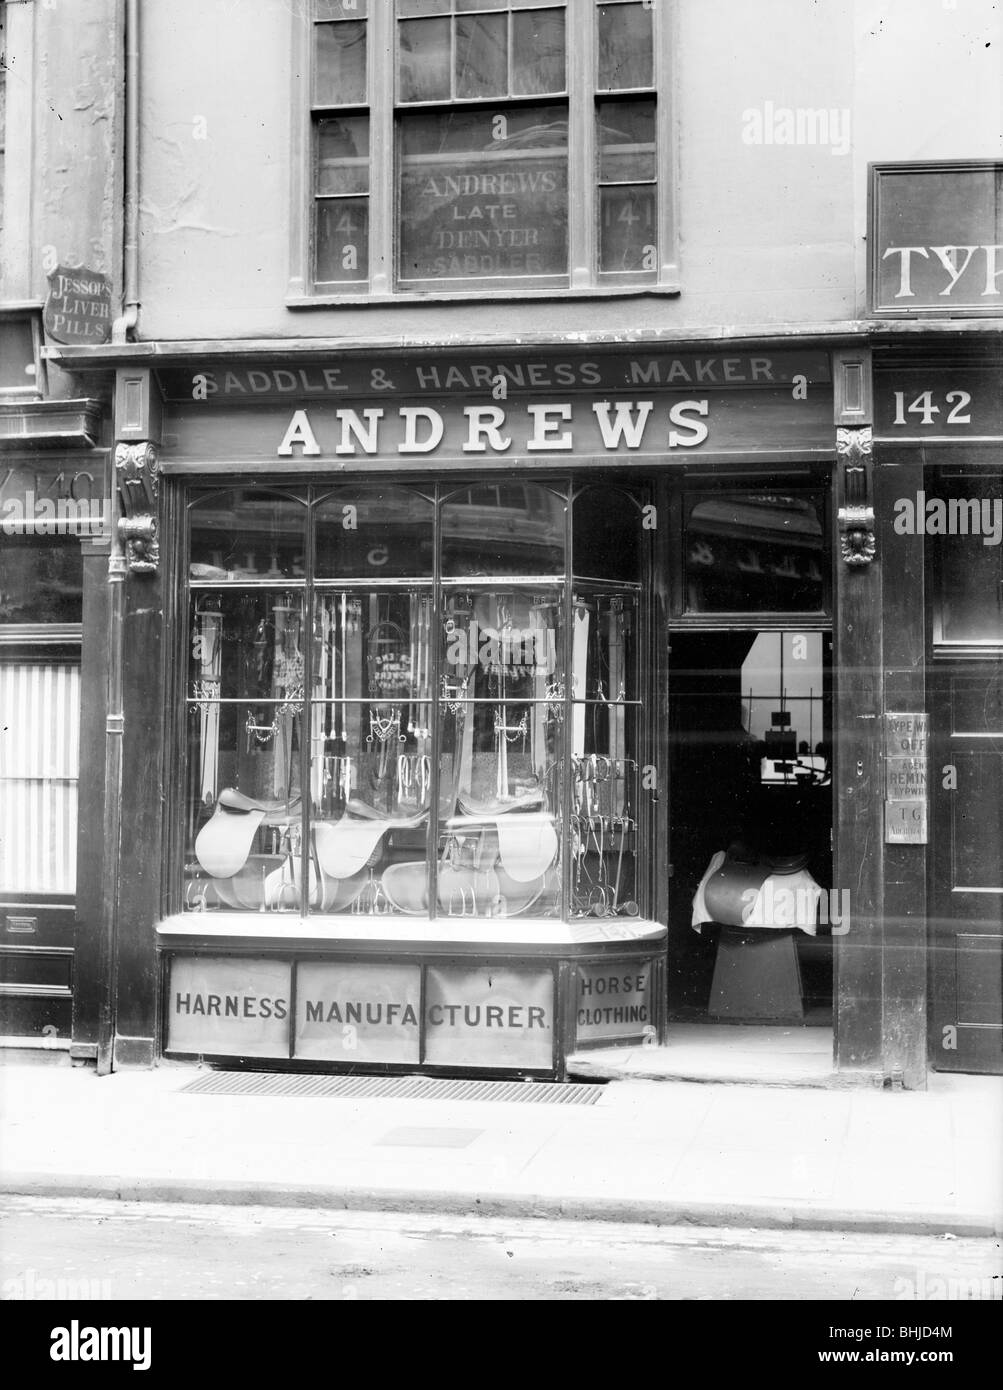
(126, 324)
(117, 570)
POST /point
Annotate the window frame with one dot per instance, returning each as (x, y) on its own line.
(49, 644)
(439, 490)
(584, 97)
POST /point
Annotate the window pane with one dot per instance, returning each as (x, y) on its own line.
(340, 78)
(627, 228)
(424, 60)
(343, 155)
(339, 9)
(502, 644)
(484, 194)
(370, 800)
(247, 535)
(755, 552)
(375, 646)
(626, 141)
(499, 818)
(538, 60)
(606, 535)
(342, 240)
(423, 7)
(625, 50)
(243, 828)
(604, 799)
(603, 646)
(482, 56)
(496, 530)
(17, 358)
(246, 645)
(41, 580)
(39, 759)
(971, 572)
(374, 533)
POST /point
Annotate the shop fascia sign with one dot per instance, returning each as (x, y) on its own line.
(621, 404)
(536, 428)
(936, 243)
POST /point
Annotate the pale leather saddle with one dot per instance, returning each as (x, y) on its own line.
(343, 853)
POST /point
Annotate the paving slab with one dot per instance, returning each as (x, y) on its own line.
(668, 1152)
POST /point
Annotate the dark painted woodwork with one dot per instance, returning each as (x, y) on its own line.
(966, 927)
(903, 948)
(90, 793)
(140, 872)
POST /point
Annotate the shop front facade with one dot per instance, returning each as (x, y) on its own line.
(465, 677)
(938, 447)
(511, 652)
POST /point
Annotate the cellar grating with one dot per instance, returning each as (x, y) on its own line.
(240, 1083)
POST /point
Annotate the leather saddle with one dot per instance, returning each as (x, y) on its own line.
(224, 843)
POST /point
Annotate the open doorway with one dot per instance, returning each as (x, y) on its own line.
(751, 913)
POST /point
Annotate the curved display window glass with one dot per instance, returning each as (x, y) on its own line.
(376, 729)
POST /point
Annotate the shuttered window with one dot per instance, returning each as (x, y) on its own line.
(39, 760)
(40, 611)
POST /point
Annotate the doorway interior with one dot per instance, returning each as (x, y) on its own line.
(750, 779)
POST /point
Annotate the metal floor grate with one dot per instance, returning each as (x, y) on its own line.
(237, 1083)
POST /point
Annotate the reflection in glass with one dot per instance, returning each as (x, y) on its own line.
(538, 53)
(607, 535)
(339, 9)
(482, 195)
(625, 48)
(340, 76)
(970, 571)
(423, 73)
(246, 535)
(342, 239)
(481, 56)
(627, 228)
(603, 821)
(407, 747)
(502, 644)
(41, 579)
(505, 528)
(499, 808)
(343, 155)
(246, 645)
(373, 533)
(603, 663)
(626, 141)
(754, 551)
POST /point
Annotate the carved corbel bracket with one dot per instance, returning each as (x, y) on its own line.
(855, 516)
(137, 470)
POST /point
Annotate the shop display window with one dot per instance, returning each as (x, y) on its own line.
(410, 702)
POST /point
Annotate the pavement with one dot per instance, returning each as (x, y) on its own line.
(654, 1151)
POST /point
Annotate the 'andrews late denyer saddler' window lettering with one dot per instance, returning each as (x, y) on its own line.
(490, 429)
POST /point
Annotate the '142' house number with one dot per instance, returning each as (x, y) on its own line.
(956, 404)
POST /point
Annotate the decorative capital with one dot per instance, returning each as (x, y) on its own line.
(855, 517)
(137, 470)
(854, 445)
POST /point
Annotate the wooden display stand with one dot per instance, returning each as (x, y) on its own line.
(757, 976)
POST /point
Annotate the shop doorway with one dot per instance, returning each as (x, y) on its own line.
(752, 904)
